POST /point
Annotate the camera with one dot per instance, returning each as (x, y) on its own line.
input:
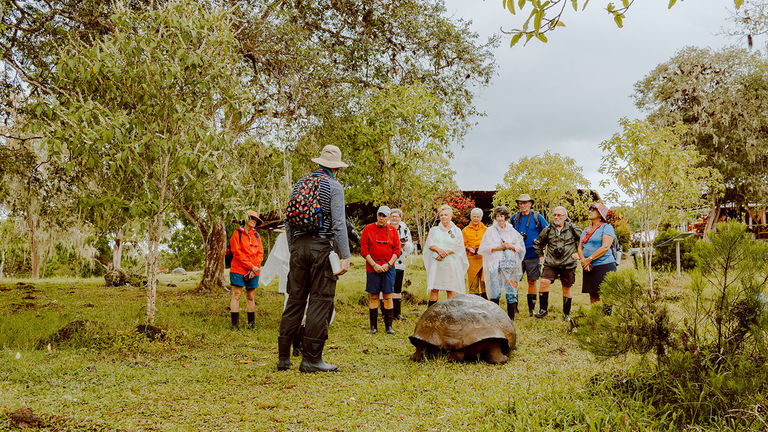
(558, 252)
(403, 239)
(525, 235)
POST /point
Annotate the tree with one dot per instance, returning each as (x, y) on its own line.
(157, 103)
(551, 180)
(722, 96)
(548, 16)
(662, 177)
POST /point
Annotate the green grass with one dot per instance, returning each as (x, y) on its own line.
(204, 376)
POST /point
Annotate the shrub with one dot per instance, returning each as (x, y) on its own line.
(665, 254)
(711, 364)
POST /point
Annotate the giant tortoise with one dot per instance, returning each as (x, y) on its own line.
(466, 328)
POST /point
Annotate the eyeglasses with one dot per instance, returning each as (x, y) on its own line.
(559, 215)
(593, 207)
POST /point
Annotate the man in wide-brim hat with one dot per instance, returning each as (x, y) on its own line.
(529, 224)
(310, 275)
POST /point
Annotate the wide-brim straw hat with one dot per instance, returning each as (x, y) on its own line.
(330, 157)
(524, 198)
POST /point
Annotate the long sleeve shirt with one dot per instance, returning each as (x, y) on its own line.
(380, 243)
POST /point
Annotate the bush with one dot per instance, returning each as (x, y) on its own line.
(711, 364)
(665, 254)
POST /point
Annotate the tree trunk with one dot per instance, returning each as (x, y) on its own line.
(45, 260)
(215, 246)
(152, 253)
(34, 247)
(117, 250)
(2, 265)
(713, 216)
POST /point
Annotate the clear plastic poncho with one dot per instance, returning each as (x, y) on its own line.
(277, 264)
(501, 269)
(449, 273)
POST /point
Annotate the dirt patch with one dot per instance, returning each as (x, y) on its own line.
(412, 299)
(26, 287)
(4, 287)
(29, 296)
(151, 332)
(24, 418)
(66, 334)
(22, 307)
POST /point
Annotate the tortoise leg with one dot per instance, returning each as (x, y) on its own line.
(419, 354)
(457, 355)
(493, 354)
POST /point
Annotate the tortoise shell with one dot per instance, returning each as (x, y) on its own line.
(462, 320)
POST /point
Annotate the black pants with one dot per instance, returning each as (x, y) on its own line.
(310, 276)
(399, 280)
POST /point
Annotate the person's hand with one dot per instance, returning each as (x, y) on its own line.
(344, 267)
(575, 256)
(541, 260)
(442, 253)
(378, 269)
(471, 250)
(255, 269)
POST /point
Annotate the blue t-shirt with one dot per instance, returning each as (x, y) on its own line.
(595, 241)
(522, 225)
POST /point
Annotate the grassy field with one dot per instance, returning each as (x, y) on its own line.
(203, 376)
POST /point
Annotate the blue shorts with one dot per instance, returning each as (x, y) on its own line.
(380, 282)
(238, 280)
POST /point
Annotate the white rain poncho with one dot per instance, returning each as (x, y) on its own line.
(277, 264)
(449, 273)
(502, 269)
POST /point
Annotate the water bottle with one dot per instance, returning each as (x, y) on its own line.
(333, 257)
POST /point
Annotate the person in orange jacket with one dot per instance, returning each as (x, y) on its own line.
(247, 254)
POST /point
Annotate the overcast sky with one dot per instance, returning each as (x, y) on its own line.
(569, 94)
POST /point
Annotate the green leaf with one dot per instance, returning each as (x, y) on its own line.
(520, 4)
(515, 39)
(575, 4)
(510, 5)
(672, 3)
(542, 37)
(619, 19)
(537, 21)
(586, 2)
(625, 3)
(738, 3)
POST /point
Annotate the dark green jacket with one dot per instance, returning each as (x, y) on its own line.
(566, 242)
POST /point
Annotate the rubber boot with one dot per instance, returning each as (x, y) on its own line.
(495, 300)
(388, 315)
(431, 302)
(235, 320)
(397, 311)
(567, 307)
(511, 310)
(531, 304)
(484, 295)
(373, 315)
(284, 353)
(543, 304)
(297, 341)
(251, 320)
(381, 305)
(312, 360)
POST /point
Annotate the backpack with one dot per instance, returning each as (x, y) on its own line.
(229, 255)
(536, 220)
(303, 212)
(616, 249)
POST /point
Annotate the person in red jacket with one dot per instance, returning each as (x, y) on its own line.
(247, 254)
(380, 246)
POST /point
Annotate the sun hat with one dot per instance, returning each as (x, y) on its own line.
(330, 157)
(524, 197)
(384, 210)
(602, 209)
